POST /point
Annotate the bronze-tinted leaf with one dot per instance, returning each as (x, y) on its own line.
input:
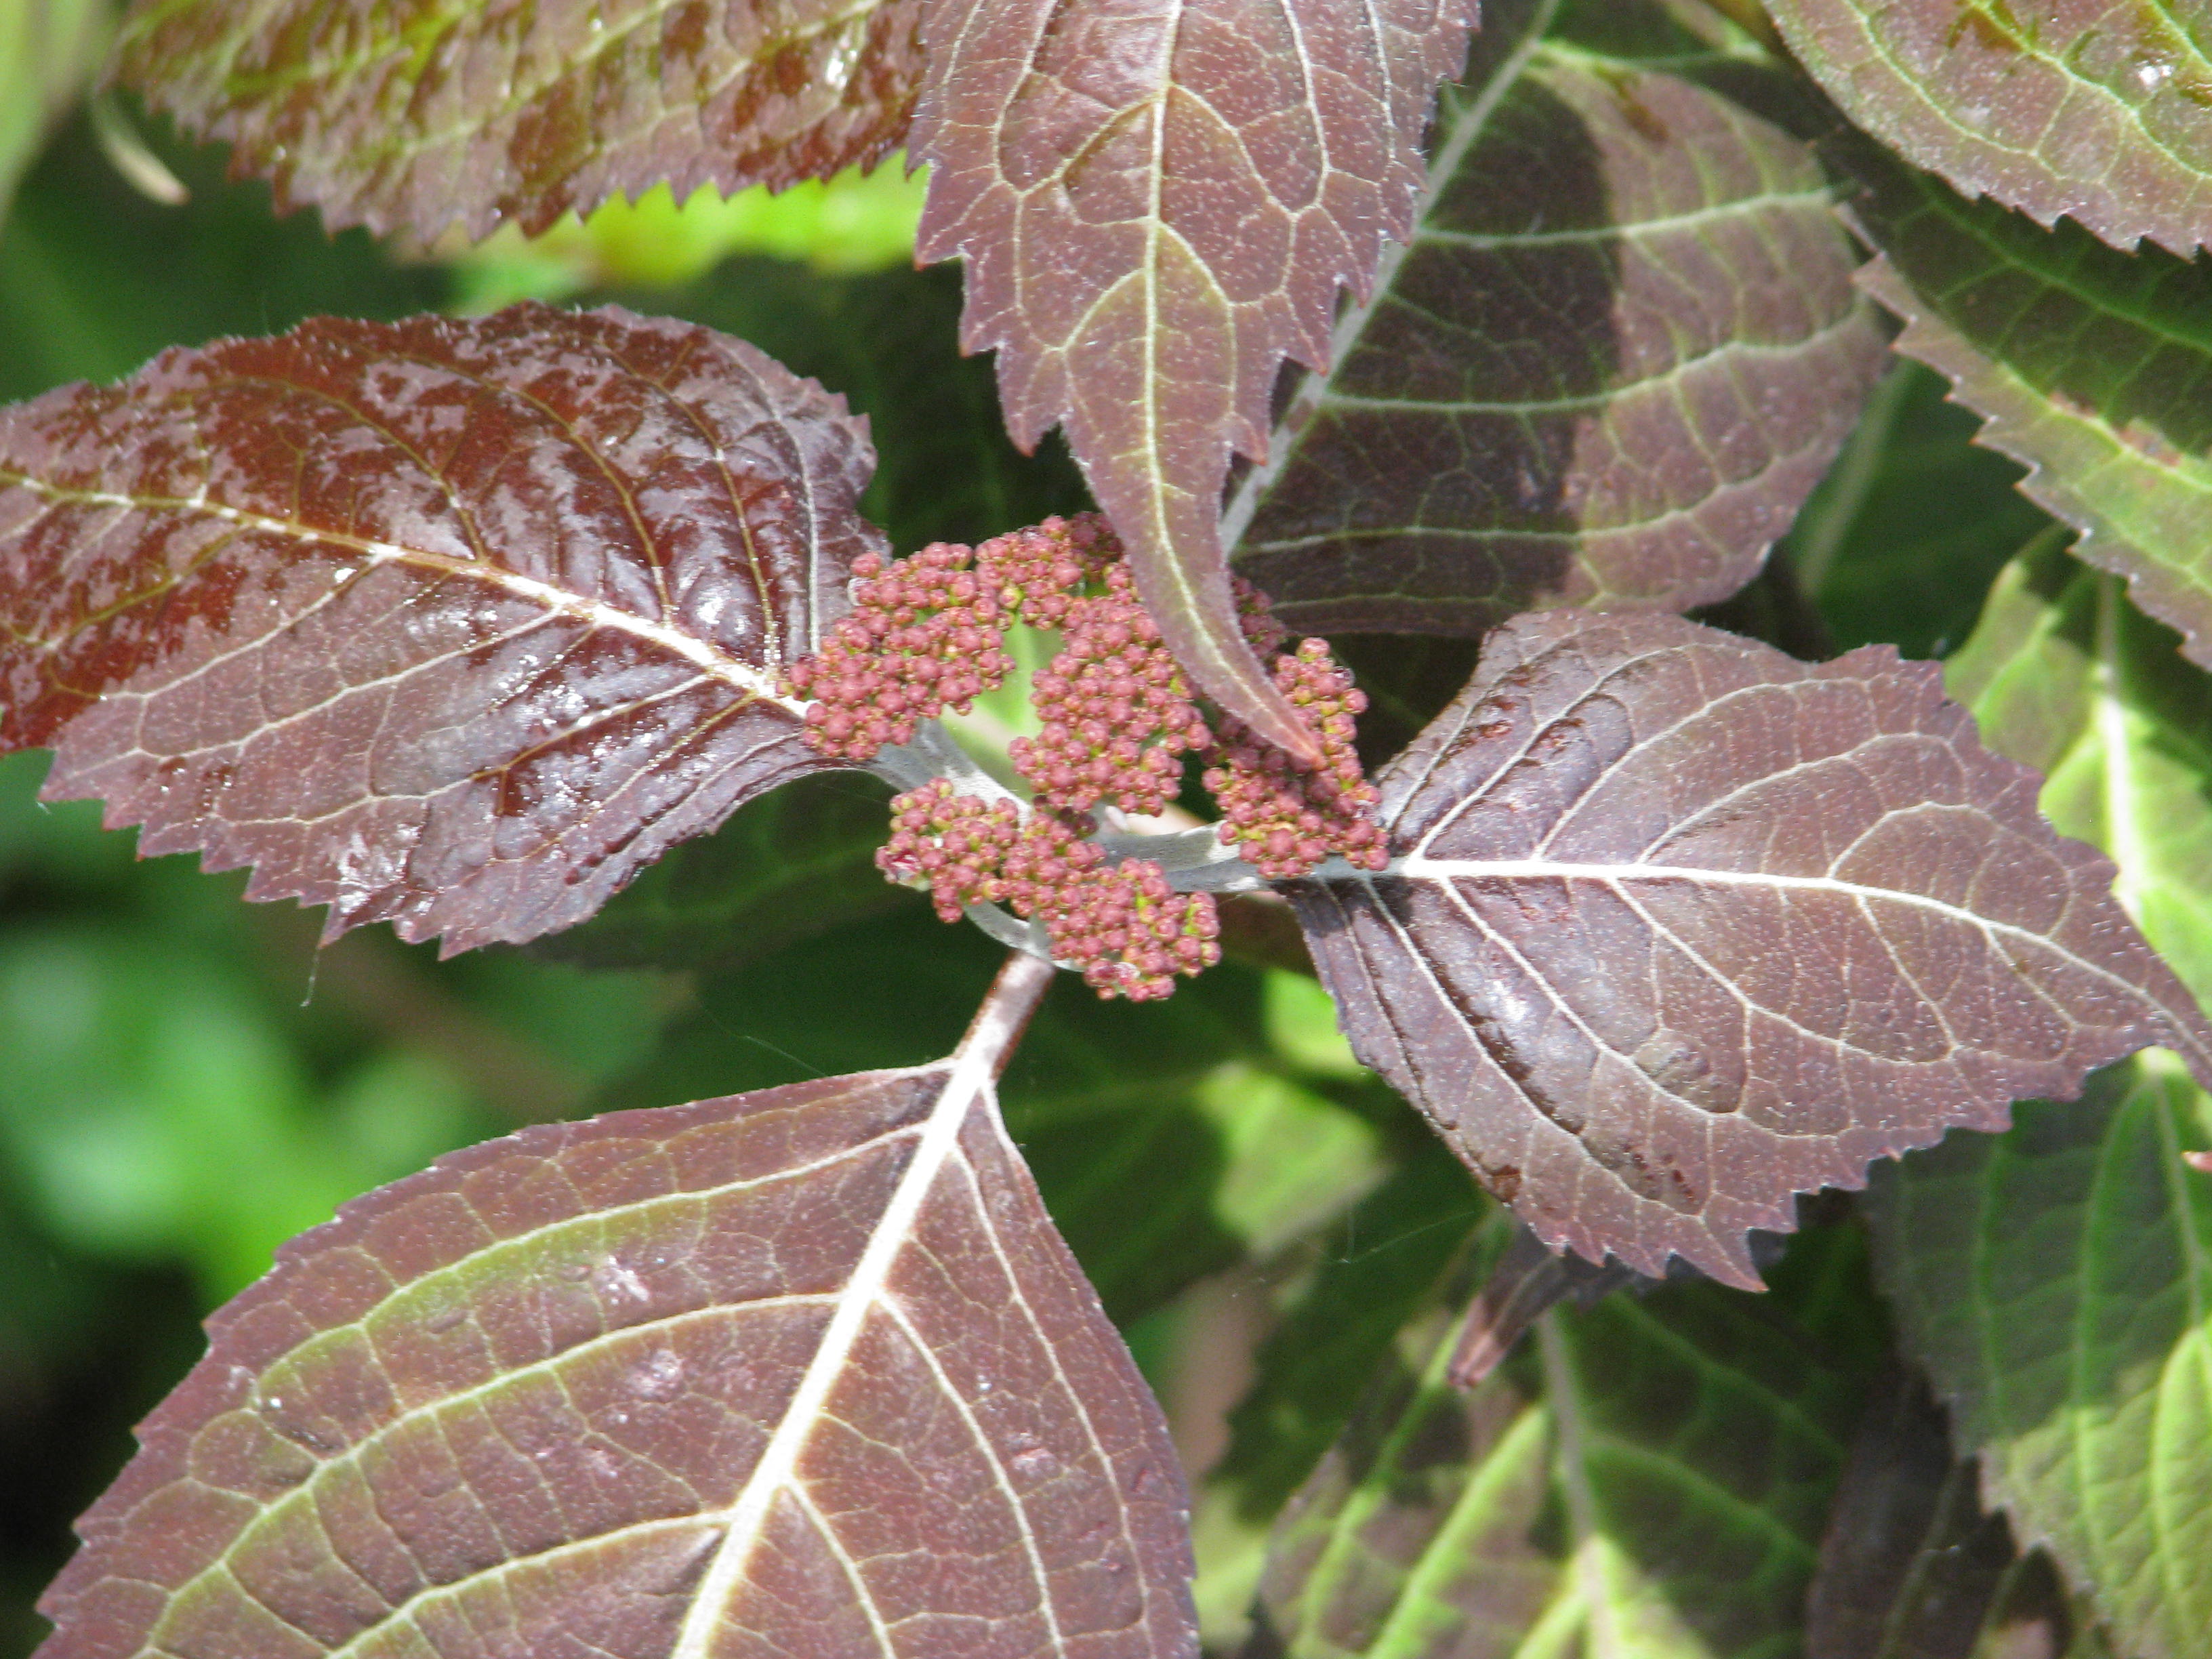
(800, 1373)
(416, 116)
(1620, 350)
(1678, 926)
(453, 624)
(2100, 111)
(1158, 200)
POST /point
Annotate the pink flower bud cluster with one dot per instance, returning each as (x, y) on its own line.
(1117, 717)
(1284, 818)
(1130, 931)
(925, 634)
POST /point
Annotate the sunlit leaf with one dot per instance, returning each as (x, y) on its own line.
(2067, 676)
(1900, 542)
(454, 624)
(2102, 113)
(1156, 204)
(2093, 368)
(1621, 349)
(805, 1371)
(1648, 1477)
(434, 112)
(1912, 1569)
(1678, 926)
(2054, 1280)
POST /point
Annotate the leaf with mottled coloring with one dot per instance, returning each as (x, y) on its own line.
(1650, 1476)
(1913, 1569)
(805, 1371)
(454, 624)
(1158, 200)
(1619, 351)
(420, 115)
(2093, 368)
(2065, 675)
(2054, 1280)
(1677, 928)
(2098, 111)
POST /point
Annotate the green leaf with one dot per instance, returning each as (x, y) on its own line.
(2054, 1281)
(793, 864)
(2102, 113)
(1650, 1476)
(1900, 542)
(2065, 675)
(1621, 348)
(890, 342)
(2093, 368)
(447, 111)
(48, 48)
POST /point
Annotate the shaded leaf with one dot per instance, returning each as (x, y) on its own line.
(2054, 1280)
(2102, 113)
(1620, 349)
(1677, 928)
(793, 864)
(1911, 1568)
(809, 1369)
(1211, 1105)
(1900, 542)
(888, 341)
(454, 624)
(1156, 204)
(414, 117)
(2068, 677)
(47, 50)
(2093, 368)
(1650, 1476)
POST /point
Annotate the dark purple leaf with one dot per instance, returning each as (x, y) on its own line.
(805, 1372)
(416, 116)
(1911, 1568)
(1158, 200)
(1678, 926)
(453, 624)
(2082, 107)
(1619, 352)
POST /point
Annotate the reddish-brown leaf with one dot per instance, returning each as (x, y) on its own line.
(1618, 353)
(453, 624)
(1678, 927)
(421, 114)
(804, 1372)
(1158, 200)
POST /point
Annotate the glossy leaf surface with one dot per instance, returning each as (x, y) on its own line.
(433, 112)
(802, 1371)
(2093, 368)
(2054, 1281)
(454, 624)
(1158, 202)
(1650, 1476)
(2100, 111)
(2065, 675)
(1678, 926)
(1620, 349)
(1912, 1569)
